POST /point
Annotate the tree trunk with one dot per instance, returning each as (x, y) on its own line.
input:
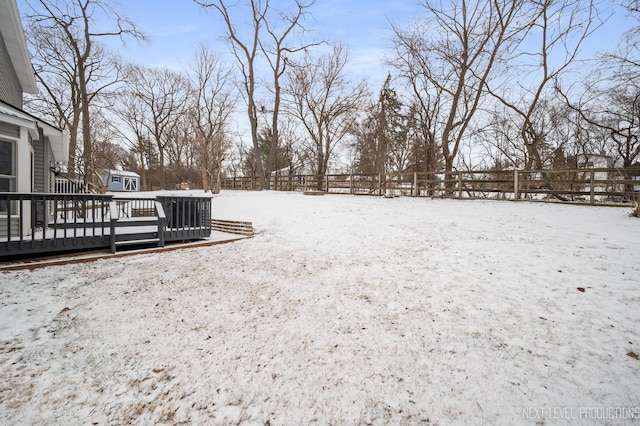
(256, 149)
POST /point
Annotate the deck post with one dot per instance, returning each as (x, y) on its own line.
(162, 219)
(113, 209)
(592, 198)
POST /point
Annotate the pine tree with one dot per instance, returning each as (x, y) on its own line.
(382, 137)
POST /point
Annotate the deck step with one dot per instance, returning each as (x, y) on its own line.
(133, 230)
(146, 241)
(140, 231)
(135, 221)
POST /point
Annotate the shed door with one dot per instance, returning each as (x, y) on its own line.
(130, 184)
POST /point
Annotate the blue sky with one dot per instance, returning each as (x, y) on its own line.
(176, 27)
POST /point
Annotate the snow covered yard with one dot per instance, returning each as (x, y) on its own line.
(342, 310)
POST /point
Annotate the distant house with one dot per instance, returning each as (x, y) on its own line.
(30, 148)
(122, 181)
(595, 161)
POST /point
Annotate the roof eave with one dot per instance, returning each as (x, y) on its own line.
(13, 35)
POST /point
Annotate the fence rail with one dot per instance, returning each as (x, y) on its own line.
(589, 186)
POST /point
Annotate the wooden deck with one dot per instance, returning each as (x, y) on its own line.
(93, 255)
(37, 224)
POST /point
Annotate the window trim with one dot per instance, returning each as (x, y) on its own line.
(12, 178)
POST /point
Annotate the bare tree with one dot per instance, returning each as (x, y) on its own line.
(72, 65)
(448, 59)
(422, 131)
(179, 149)
(246, 53)
(108, 153)
(132, 129)
(556, 30)
(163, 94)
(326, 103)
(610, 99)
(212, 104)
(270, 33)
(277, 52)
(233, 162)
(295, 156)
(631, 58)
(617, 111)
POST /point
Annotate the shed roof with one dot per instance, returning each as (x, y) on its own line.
(123, 173)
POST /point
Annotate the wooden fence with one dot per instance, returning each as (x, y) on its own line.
(614, 186)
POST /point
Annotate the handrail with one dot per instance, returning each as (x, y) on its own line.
(162, 221)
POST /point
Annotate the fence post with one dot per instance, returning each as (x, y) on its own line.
(379, 184)
(415, 184)
(459, 185)
(592, 191)
(516, 185)
(351, 184)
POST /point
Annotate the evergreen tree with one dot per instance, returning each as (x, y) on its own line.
(382, 136)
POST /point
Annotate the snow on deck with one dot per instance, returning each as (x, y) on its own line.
(341, 310)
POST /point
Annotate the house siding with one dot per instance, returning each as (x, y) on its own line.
(10, 130)
(10, 89)
(39, 164)
(50, 179)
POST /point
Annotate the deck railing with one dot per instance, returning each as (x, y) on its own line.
(39, 223)
(186, 217)
(65, 185)
(32, 223)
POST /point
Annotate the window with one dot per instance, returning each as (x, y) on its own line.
(115, 179)
(7, 166)
(7, 170)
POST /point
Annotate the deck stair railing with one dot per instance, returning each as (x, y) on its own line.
(136, 223)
